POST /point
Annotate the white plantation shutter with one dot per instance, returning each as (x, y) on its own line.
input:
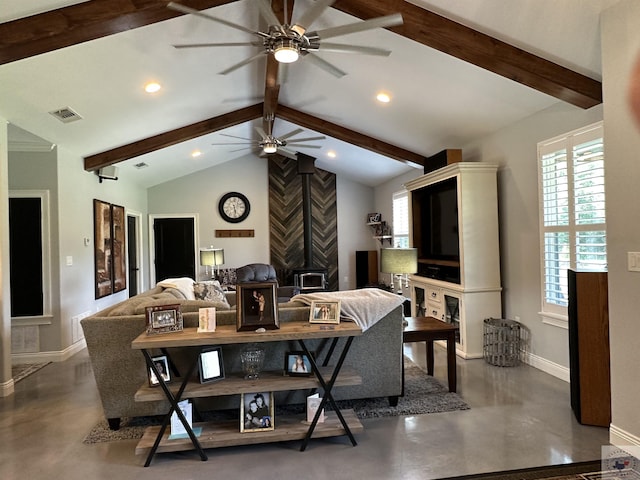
(572, 210)
(401, 219)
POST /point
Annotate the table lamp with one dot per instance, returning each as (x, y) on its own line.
(212, 257)
(399, 261)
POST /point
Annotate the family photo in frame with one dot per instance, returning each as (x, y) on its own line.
(256, 412)
(164, 319)
(210, 365)
(297, 363)
(257, 306)
(162, 366)
(325, 312)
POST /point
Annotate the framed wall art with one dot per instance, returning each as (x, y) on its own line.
(257, 306)
(109, 248)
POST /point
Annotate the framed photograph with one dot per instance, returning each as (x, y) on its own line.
(164, 319)
(325, 312)
(257, 412)
(374, 217)
(210, 365)
(297, 364)
(162, 365)
(257, 306)
(119, 245)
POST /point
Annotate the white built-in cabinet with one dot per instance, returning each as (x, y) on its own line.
(467, 290)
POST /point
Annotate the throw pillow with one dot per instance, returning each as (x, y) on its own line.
(210, 291)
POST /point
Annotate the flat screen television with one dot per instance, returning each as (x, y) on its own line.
(435, 232)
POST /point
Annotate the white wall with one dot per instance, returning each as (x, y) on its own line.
(620, 50)
(6, 382)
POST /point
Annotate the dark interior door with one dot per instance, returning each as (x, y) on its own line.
(174, 248)
(25, 246)
(132, 255)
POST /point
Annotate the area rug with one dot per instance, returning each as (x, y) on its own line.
(591, 470)
(19, 372)
(423, 394)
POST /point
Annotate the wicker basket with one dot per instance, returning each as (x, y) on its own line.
(501, 342)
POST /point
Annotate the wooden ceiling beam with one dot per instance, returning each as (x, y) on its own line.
(349, 136)
(63, 27)
(173, 137)
(479, 49)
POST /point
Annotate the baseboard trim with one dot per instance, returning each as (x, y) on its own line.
(7, 388)
(51, 356)
(547, 366)
(623, 439)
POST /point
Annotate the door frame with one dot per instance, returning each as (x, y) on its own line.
(139, 248)
(152, 241)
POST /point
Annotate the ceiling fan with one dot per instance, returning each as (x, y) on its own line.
(288, 42)
(269, 143)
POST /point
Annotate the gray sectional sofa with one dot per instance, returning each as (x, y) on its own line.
(119, 370)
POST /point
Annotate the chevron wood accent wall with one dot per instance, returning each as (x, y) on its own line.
(286, 220)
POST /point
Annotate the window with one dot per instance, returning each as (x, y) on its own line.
(401, 219)
(572, 211)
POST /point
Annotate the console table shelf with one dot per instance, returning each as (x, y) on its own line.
(269, 381)
(226, 434)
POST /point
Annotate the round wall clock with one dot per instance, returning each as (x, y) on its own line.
(234, 207)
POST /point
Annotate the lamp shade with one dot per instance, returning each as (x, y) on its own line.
(398, 260)
(212, 257)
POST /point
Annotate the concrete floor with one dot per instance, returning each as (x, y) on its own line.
(519, 417)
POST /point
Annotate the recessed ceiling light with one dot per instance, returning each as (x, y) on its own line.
(383, 97)
(331, 154)
(152, 87)
(196, 153)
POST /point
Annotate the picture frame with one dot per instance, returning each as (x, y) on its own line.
(325, 312)
(297, 364)
(257, 415)
(163, 319)
(374, 217)
(110, 262)
(162, 364)
(257, 306)
(210, 365)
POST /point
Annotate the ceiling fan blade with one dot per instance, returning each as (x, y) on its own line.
(267, 13)
(340, 48)
(198, 13)
(306, 139)
(287, 153)
(235, 136)
(378, 22)
(232, 143)
(262, 133)
(291, 134)
(241, 149)
(229, 44)
(323, 64)
(303, 145)
(243, 63)
(313, 13)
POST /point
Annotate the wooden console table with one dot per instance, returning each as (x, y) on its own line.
(213, 435)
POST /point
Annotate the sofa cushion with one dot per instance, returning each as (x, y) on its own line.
(185, 305)
(210, 291)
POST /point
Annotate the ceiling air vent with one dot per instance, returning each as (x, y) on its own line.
(141, 165)
(66, 115)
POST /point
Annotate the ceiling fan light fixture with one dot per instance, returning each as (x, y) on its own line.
(286, 51)
(270, 147)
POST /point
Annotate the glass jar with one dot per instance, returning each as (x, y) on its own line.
(252, 357)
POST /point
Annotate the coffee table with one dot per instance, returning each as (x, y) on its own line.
(429, 329)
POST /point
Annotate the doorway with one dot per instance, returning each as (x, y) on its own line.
(134, 249)
(173, 246)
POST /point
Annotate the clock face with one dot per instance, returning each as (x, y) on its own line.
(234, 207)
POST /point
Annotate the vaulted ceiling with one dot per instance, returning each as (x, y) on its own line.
(458, 71)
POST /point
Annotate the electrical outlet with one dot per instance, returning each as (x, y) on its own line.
(633, 261)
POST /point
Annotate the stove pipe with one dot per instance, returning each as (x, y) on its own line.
(306, 168)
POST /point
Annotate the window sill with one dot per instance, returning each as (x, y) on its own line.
(555, 320)
(31, 321)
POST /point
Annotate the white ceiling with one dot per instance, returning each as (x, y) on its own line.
(438, 101)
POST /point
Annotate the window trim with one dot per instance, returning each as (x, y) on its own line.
(553, 314)
(396, 196)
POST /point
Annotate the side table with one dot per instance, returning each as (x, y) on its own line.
(428, 329)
